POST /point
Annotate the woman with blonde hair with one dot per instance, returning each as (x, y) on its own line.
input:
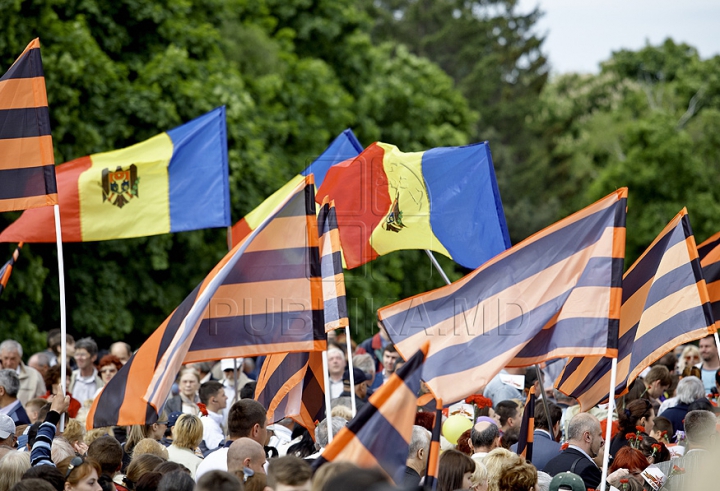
(187, 435)
(689, 358)
(495, 461)
(152, 446)
(137, 432)
(12, 467)
(479, 478)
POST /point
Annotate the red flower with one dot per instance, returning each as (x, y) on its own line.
(629, 436)
(639, 438)
(640, 428)
(203, 409)
(624, 481)
(479, 400)
(663, 434)
(564, 446)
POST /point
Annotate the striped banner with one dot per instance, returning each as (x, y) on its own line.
(709, 254)
(665, 304)
(554, 295)
(336, 313)
(27, 163)
(379, 435)
(264, 297)
(527, 428)
(433, 463)
(7, 268)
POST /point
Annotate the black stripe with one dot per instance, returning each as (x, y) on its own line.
(107, 409)
(313, 397)
(278, 264)
(29, 66)
(711, 272)
(26, 122)
(174, 323)
(310, 206)
(336, 262)
(27, 182)
(706, 248)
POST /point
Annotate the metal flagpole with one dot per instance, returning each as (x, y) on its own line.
(437, 266)
(63, 319)
(328, 418)
(353, 405)
(608, 426)
(235, 381)
(545, 402)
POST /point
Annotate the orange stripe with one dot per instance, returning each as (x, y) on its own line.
(20, 153)
(35, 43)
(262, 297)
(254, 350)
(293, 235)
(21, 93)
(17, 204)
(519, 362)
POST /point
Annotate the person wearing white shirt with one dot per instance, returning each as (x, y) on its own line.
(212, 395)
(336, 368)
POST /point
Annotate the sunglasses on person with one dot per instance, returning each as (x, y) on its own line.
(75, 462)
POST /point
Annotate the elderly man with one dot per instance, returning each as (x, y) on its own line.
(585, 440)
(336, 368)
(31, 382)
(246, 453)
(417, 457)
(9, 403)
(484, 436)
(689, 390)
(122, 350)
(40, 362)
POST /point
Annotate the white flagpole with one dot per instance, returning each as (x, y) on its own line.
(328, 418)
(63, 322)
(608, 426)
(353, 405)
(437, 266)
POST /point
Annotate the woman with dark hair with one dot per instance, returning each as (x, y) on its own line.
(638, 413)
(455, 471)
(631, 459)
(654, 450)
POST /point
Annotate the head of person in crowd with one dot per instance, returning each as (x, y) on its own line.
(176, 481)
(246, 453)
(708, 352)
(541, 420)
(150, 445)
(584, 432)
(289, 473)
(253, 482)
(689, 358)
(638, 413)
(189, 383)
(455, 471)
(365, 363)
(631, 459)
(108, 367)
(418, 450)
(336, 363)
(361, 382)
(662, 430)
(147, 482)
(494, 462)
(690, 389)
(82, 475)
(187, 432)
(40, 362)
(54, 342)
(358, 480)
(121, 351)
(485, 437)
(9, 386)
(328, 471)
(341, 411)
(52, 380)
(544, 480)
(12, 467)
(74, 433)
(86, 350)
(507, 414)
(217, 480)
(11, 353)
(653, 450)
(33, 407)
(248, 418)
(7, 431)
(138, 432)
(464, 443)
(389, 357)
(520, 477)
(61, 450)
(212, 394)
(248, 390)
(321, 433)
(700, 429)
(108, 453)
(657, 381)
(479, 479)
(33, 484)
(46, 473)
(140, 466)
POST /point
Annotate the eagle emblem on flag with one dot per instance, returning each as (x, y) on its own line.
(120, 186)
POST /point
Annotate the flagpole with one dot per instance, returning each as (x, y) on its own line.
(235, 381)
(437, 266)
(353, 405)
(328, 417)
(63, 321)
(608, 426)
(545, 402)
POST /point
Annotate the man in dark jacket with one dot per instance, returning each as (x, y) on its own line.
(585, 441)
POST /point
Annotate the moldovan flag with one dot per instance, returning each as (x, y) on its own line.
(444, 199)
(665, 304)
(345, 146)
(173, 182)
(380, 433)
(27, 163)
(264, 297)
(527, 428)
(709, 253)
(555, 294)
(7, 268)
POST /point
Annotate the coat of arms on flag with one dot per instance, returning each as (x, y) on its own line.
(120, 186)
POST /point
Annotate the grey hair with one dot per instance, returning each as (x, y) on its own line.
(581, 423)
(690, 389)
(11, 345)
(543, 481)
(420, 439)
(10, 381)
(321, 433)
(485, 437)
(700, 426)
(88, 344)
(365, 363)
(333, 349)
(42, 358)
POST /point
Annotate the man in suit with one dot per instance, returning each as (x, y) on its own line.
(698, 460)
(544, 447)
(585, 440)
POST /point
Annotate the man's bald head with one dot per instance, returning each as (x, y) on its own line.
(246, 452)
(484, 436)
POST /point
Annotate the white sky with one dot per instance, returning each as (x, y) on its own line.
(582, 33)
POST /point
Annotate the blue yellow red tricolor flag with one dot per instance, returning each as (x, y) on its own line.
(344, 146)
(380, 433)
(445, 200)
(27, 162)
(665, 304)
(709, 254)
(264, 297)
(7, 268)
(173, 182)
(555, 294)
(527, 428)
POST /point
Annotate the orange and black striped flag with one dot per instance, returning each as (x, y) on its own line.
(709, 254)
(555, 294)
(7, 268)
(27, 163)
(380, 434)
(264, 297)
(665, 304)
(527, 428)
(433, 463)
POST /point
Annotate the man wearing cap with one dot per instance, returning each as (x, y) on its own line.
(585, 440)
(7, 431)
(361, 387)
(567, 481)
(172, 419)
(228, 367)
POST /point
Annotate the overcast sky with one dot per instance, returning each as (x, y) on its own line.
(582, 33)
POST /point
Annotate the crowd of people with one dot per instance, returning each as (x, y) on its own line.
(213, 435)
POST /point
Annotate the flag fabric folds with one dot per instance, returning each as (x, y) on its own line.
(445, 200)
(345, 146)
(433, 463)
(665, 304)
(555, 294)
(27, 162)
(336, 313)
(527, 428)
(264, 297)
(709, 254)
(173, 182)
(380, 433)
(7, 268)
